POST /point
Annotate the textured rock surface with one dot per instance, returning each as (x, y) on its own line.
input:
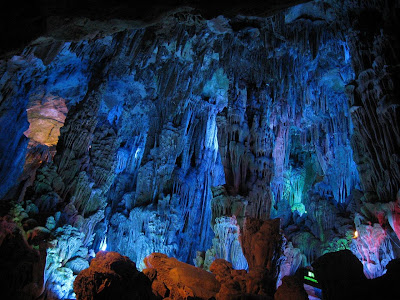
(45, 120)
(192, 119)
(21, 266)
(177, 280)
(373, 248)
(226, 244)
(112, 276)
(374, 97)
(262, 245)
(291, 260)
(292, 288)
(233, 282)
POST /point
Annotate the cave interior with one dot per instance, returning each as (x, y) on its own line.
(200, 150)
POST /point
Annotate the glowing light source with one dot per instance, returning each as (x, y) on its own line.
(355, 234)
(310, 277)
(137, 152)
(103, 244)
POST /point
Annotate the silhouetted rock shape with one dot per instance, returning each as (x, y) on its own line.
(338, 273)
(291, 288)
(21, 267)
(112, 276)
(341, 277)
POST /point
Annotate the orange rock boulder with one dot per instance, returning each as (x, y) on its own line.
(112, 276)
(177, 280)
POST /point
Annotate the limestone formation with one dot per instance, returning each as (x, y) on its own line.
(176, 280)
(21, 266)
(262, 133)
(262, 245)
(112, 276)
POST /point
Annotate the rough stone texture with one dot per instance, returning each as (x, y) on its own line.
(236, 284)
(66, 247)
(177, 280)
(374, 96)
(192, 119)
(262, 246)
(226, 244)
(373, 248)
(46, 118)
(21, 266)
(48, 19)
(262, 243)
(112, 276)
(292, 288)
(292, 259)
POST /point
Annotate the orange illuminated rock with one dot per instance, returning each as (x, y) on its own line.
(112, 276)
(46, 117)
(233, 282)
(177, 280)
(262, 246)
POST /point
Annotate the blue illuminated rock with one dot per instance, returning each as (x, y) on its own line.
(165, 136)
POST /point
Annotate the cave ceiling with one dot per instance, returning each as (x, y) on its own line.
(202, 130)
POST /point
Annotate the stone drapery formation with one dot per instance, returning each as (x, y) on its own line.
(374, 95)
(178, 130)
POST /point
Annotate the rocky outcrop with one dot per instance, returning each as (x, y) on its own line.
(262, 246)
(233, 282)
(196, 119)
(177, 280)
(375, 107)
(373, 248)
(112, 276)
(292, 288)
(225, 244)
(338, 272)
(21, 266)
(341, 277)
(46, 117)
(291, 260)
(160, 116)
(66, 257)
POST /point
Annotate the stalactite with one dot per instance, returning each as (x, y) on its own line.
(188, 122)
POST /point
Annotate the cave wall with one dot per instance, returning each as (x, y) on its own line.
(374, 97)
(177, 131)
